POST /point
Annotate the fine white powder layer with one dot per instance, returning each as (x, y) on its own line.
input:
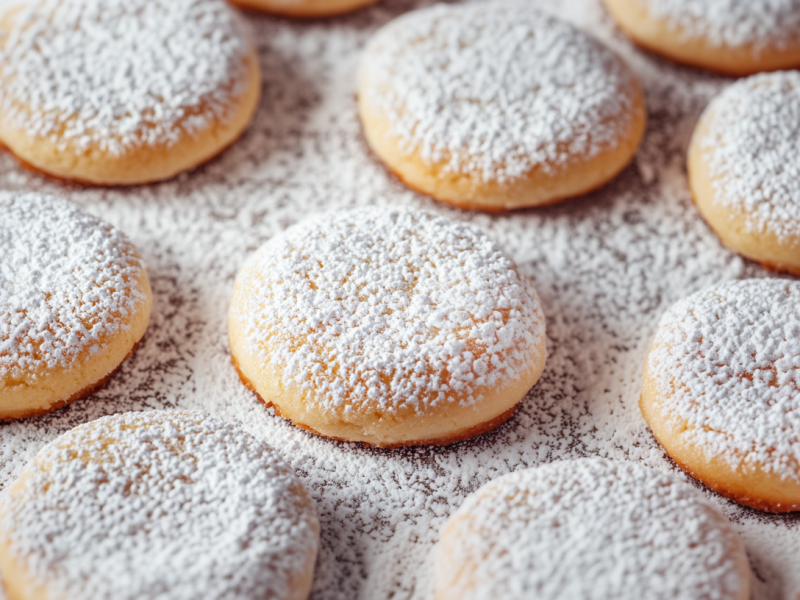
(496, 89)
(726, 362)
(606, 267)
(759, 24)
(160, 505)
(591, 529)
(388, 307)
(752, 148)
(119, 74)
(68, 283)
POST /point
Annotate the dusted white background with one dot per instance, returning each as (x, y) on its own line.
(606, 266)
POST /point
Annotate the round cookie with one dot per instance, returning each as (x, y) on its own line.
(123, 91)
(496, 106)
(734, 37)
(74, 303)
(744, 169)
(721, 390)
(157, 505)
(590, 529)
(305, 9)
(387, 326)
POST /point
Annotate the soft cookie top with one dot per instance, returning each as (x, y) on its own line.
(109, 79)
(489, 95)
(722, 389)
(158, 504)
(589, 528)
(744, 167)
(379, 316)
(738, 37)
(71, 286)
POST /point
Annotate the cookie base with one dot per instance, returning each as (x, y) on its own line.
(458, 436)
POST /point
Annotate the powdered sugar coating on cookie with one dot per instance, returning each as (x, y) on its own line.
(160, 504)
(759, 24)
(120, 74)
(726, 363)
(752, 147)
(496, 89)
(393, 307)
(68, 283)
(590, 528)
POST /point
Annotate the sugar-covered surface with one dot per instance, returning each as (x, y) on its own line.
(760, 24)
(752, 148)
(120, 74)
(606, 267)
(168, 504)
(728, 359)
(591, 529)
(495, 90)
(389, 308)
(68, 283)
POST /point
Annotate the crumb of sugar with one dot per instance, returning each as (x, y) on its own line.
(160, 504)
(119, 74)
(496, 89)
(394, 307)
(590, 528)
(726, 361)
(752, 147)
(759, 24)
(68, 281)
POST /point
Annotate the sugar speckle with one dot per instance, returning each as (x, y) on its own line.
(727, 362)
(592, 529)
(388, 306)
(759, 24)
(68, 281)
(752, 148)
(119, 74)
(160, 504)
(496, 89)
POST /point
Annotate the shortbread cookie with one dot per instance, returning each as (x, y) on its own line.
(74, 303)
(735, 37)
(123, 91)
(387, 326)
(721, 390)
(590, 529)
(744, 168)
(305, 9)
(157, 505)
(496, 106)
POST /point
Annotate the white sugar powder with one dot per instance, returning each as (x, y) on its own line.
(388, 300)
(753, 151)
(118, 74)
(728, 361)
(496, 89)
(592, 529)
(68, 282)
(760, 24)
(160, 504)
(606, 267)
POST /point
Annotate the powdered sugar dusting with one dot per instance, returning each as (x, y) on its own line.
(394, 307)
(728, 359)
(160, 504)
(606, 267)
(759, 24)
(590, 528)
(753, 150)
(68, 281)
(118, 74)
(496, 89)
